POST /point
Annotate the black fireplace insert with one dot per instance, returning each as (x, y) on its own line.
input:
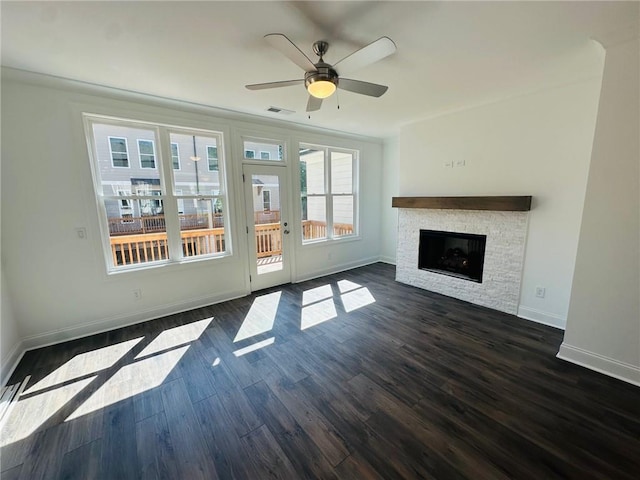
(455, 254)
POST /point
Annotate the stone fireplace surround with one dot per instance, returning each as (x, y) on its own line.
(506, 233)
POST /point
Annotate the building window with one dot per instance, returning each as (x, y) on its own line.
(137, 230)
(249, 154)
(175, 156)
(266, 200)
(328, 193)
(147, 154)
(265, 155)
(119, 152)
(212, 158)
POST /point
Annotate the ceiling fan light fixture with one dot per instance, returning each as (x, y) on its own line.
(321, 88)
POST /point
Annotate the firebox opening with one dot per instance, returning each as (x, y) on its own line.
(458, 255)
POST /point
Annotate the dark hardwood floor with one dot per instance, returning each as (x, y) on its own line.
(385, 381)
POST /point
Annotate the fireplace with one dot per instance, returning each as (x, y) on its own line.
(458, 255)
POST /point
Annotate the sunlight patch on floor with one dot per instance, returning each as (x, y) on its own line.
(316, 294)
(347, 285)
(132, 380)
(84, 364)
(261, 316)
(30, 413)
(173, 337)
(317, 313)
(256, 346)
(357, 299)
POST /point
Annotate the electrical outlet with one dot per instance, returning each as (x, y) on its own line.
(137, 294)
(540, 292)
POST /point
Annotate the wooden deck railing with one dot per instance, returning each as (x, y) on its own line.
(156, 223)
(312, 229)
(140, 248)
(148, 247)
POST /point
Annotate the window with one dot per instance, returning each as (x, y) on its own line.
(175, 156)
(147, 154)
(272, 150)
(266, 200)
(327, 193)
(147, 219)
(119, 152)
(212, 158)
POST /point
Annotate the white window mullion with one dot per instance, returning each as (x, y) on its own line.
(327, 186)
(171, 215)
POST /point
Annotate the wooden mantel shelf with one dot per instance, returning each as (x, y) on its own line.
(502, 204)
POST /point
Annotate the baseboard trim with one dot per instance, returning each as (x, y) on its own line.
(118, 321)
(10, 362)
(600, 363)
(544, 318)
(336, 269)
(389, 260)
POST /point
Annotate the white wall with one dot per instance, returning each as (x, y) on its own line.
(388, 190)
(10, 344)
(58, 281)
(603, 328)
(537, 145)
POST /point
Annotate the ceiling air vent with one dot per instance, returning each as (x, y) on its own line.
(282, 111)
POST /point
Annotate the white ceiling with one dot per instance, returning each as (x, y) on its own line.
(450, 54)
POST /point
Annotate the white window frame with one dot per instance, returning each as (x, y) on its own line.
(329, 196)
(166, 196)
(262, 157)
(153, 147)
(250, 158)
(126, 148)
(176, 155)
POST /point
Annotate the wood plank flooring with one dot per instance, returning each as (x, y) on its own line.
(385, 381)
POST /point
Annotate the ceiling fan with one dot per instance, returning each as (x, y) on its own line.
(322, 79)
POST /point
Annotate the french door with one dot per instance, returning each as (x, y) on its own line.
(268, 225)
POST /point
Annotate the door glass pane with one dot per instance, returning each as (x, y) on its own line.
(202, 227)
(267, 222)
(343, 215)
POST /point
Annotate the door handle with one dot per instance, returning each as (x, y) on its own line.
(286, 232)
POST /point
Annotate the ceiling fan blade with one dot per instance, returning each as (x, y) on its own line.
(263, 86)
(377, 50)
(290, 50)
(364, 88)
(313, 104)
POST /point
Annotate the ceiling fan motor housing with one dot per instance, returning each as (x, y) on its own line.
(324, 73)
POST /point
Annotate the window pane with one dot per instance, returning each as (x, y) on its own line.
(343, 215)
(341, 172)
(175, 156)
(194, 177)
(137, 231)
(212, 158)
(314, 224)
(202, 227)
(116, 181)
(119, 155)
(263, 150)
(312, 179)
